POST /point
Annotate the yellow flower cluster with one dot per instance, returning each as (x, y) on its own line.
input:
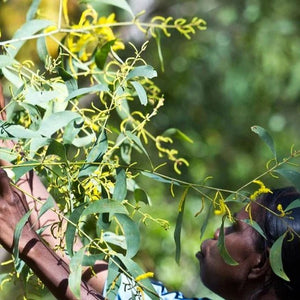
(262, 190)
(171, 153)
(92, 32)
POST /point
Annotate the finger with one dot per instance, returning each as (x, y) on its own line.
(5, 188)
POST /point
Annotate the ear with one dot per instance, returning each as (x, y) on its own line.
(260, 266)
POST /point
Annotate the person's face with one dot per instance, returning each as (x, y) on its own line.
(224, 279)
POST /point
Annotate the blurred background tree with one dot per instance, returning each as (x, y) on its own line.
(243, 70)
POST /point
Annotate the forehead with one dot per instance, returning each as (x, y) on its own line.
(245, 212)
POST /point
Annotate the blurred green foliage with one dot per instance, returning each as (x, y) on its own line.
(243, 70)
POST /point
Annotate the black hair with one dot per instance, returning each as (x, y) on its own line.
(275, 226)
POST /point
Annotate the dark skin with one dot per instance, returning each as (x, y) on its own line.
(253, 269)
(33, 251)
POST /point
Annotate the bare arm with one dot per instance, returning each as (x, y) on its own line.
(34, 189)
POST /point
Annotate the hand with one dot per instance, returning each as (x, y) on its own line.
(13, 206)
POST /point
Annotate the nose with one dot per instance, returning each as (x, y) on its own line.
(216, 234)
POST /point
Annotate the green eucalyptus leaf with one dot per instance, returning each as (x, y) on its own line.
(71, 229)
(76, 272)
(177, 231)
(222, 247)
(72, 129)
(7, 155)
(178, 134)
(141, 196)
(50, 203)
(32, 10)
(276, 258)
(95, 155)
(119, 3)
(56, 121)
(40, 98)
(290, 175)
(91, 259)
(23, 168)
(120, 189)
(69, 80)
(27, 30)
(37, 143)
(137, 141)
(115, 239)
(135, 270)
(102, 53)
(6, 60)
(265, 136)
(140, 92)
(57, 149)
(131, 232)
(12, 77)
(158, 178)
(105, 206)
(83, 91)
(293, 205)
(142, 71)
(41, 48)
(10, 131)
(255, 226)
(113, 279)
(16, 239)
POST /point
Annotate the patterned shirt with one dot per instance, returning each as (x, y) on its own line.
(128, 291)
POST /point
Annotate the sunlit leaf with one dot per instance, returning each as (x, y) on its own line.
(131, 232)
(266, 137)
(32, 10)
(140, 92)
(40, 98)
(10, 131)
(56, 121)
(75, 272)
(276, 258)
(222, 247)
(23, 168)
(71, 130)
(105, 206)
(12, 77)
(88, 90)
(16, 239)
(28, 29)
(142, 71)
(120, 189)
(115, 239)
(119, 3)
(95, 155)
(6, 60)
(50, 203)
(291, 175)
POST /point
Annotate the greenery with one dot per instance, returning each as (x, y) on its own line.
(88, 114)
